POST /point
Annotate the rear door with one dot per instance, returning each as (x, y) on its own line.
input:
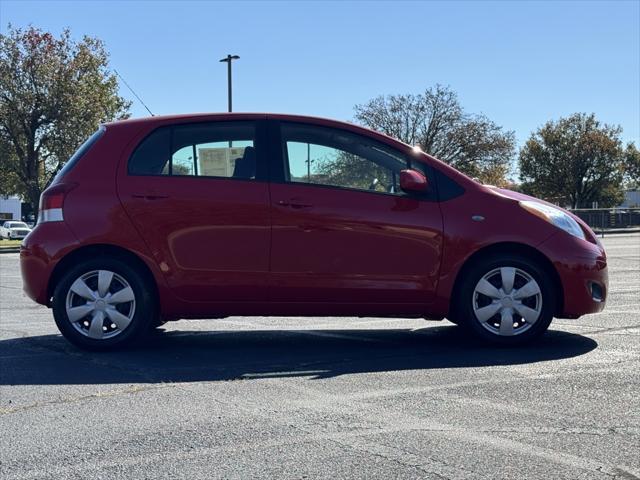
(197, 194)
(343, 231)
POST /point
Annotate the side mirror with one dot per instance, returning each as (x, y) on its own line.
(413, 181)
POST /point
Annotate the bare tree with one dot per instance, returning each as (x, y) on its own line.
(435, 121)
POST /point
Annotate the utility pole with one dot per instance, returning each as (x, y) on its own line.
(228, 59)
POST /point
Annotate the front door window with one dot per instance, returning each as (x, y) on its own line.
(324, 156)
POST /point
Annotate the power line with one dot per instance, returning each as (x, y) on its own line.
(134, 93)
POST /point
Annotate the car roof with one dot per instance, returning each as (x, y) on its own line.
(223, 116)
(150, 122)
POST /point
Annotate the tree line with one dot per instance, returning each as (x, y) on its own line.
(54, 92)
(574, 161)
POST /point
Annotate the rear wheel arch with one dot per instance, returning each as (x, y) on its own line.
(511, 248)
(92, 251)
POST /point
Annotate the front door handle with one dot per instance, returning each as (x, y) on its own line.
(293, 203)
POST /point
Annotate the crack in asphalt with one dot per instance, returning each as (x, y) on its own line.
(410, 422)
(374, 450)
(82, 398)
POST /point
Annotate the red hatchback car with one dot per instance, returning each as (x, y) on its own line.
(205, 216)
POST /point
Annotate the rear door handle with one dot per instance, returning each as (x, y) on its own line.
(149, 196)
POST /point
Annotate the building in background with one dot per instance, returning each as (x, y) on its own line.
(10, 208)
(631, 199)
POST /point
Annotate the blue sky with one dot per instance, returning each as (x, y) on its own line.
(520, 63)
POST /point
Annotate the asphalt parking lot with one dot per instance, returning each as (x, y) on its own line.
(325, 398)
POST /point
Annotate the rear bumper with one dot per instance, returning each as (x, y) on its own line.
(582, 268)
(39, 253)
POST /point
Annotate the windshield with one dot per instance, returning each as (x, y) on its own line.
(16, 225)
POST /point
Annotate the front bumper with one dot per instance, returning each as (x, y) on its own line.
(582, 269)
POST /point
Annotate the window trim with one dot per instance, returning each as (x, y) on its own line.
(400, 194)
(259, 143)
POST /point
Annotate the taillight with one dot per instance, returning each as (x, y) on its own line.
(52, 202)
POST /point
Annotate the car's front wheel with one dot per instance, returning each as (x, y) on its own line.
(103, 304)
(507, 299)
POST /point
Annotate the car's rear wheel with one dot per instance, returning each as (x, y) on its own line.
(507, 299)
(104, 304)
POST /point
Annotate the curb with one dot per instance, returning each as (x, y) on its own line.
(10, 250)
(616, 231)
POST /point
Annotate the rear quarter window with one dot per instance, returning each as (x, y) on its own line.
(82, 150)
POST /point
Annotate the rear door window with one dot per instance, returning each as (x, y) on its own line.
(213, 149)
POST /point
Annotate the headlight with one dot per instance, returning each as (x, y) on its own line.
(556, 216)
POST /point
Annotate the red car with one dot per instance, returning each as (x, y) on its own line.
(205, 216)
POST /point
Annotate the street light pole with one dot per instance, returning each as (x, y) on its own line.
(308, 162)
(228, 59)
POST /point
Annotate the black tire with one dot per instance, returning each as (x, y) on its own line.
(465, 297)
(453, 319)
(157, 323)
(144, 314)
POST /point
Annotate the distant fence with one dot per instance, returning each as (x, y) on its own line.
(603, 218)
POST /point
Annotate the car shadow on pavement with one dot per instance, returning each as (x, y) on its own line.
(190, 356)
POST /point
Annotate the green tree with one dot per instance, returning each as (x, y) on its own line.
(54, 92)
(632, 167)
(575, 161)
(437, 123)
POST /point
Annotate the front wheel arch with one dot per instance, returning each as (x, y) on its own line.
(508, 248)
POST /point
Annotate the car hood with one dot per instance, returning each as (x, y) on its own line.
(518, 197)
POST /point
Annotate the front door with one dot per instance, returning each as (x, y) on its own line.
(197, 195)
(343, 231)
